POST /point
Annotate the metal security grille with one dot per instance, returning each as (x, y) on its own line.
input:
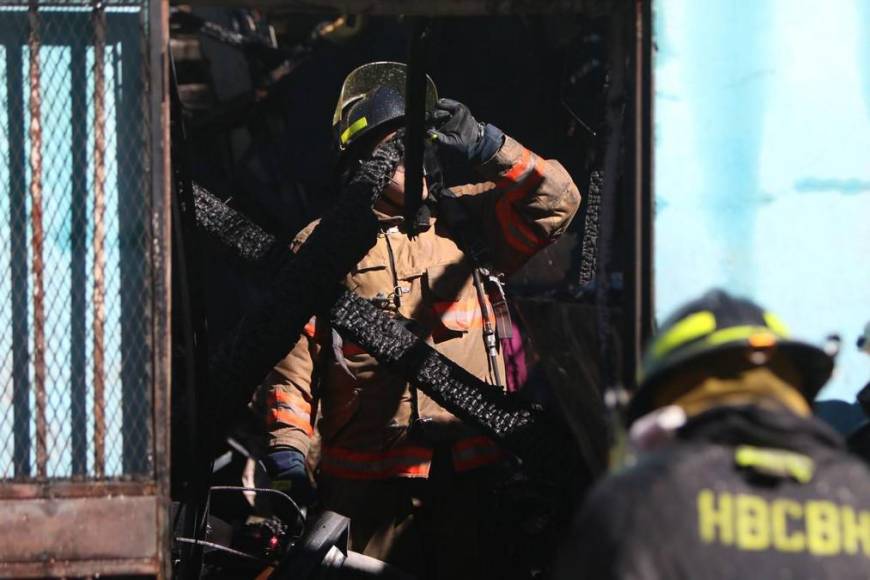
(76, 361)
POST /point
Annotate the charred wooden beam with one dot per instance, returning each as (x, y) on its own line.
(303, 285)
(535, 437)
(232, 229)
(538, 439)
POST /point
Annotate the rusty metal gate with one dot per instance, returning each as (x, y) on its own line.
(83, 338)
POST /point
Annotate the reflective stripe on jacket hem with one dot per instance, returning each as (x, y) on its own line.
(524, 177)
(407, 460)
(474, 452)
(404, 461)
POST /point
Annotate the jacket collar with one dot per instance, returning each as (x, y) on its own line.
(390, 221)
(754, 425)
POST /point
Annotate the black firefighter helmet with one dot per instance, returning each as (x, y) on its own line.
(372, 103)
(715, 324)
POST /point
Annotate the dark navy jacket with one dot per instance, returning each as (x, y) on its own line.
(744, 493)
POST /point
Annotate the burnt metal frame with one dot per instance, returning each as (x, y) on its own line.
(148, 495)
(639, 282)
(157, 33)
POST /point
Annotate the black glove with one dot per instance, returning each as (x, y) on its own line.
(458, 132)
(288, 473)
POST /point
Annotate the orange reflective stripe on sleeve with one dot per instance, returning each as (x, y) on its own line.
(474, 452)
(516, 232)
(516, 190)
(514, 226)
(279, 397)
(460, 315)
(403, 461)
(518, 171)
(311, 327)
(281, 416)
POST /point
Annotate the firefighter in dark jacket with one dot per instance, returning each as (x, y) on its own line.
(412, 477)
(734, 478)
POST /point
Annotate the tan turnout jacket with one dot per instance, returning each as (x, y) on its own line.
(524, 204)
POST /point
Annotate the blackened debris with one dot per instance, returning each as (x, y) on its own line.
(230, 227)
(533, 436)
(303, 285)
(588, 263)
(308, 283)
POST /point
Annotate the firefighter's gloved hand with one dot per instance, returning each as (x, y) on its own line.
(287, 470)
(458, 132)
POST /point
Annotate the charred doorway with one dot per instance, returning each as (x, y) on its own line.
(257, 87)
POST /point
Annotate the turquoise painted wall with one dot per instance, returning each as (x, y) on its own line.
(762, 163)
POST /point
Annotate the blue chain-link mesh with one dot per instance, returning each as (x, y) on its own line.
(75, 302)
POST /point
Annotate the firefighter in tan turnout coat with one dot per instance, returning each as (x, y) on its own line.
(410, 475)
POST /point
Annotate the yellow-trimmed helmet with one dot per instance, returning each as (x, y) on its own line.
(372, 100)
(715, 324)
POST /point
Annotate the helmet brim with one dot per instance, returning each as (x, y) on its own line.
(368, 77)
(812, 363)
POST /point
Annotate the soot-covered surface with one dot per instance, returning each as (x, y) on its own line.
(303, 285)
(231, 228)
(297, 292)
(539, 440)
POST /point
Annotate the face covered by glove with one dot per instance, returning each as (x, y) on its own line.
(287, 470)
(460, 135)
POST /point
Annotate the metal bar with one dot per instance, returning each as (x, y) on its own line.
(60, 489)
(155, 178)
(421, 7)
(132, 215)
(18, 257)
(638, 206)
(37, 238)
(99, 240)
(415, 117)
(611, 377)
(78, 266)
(84, 5)
(644, 178)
